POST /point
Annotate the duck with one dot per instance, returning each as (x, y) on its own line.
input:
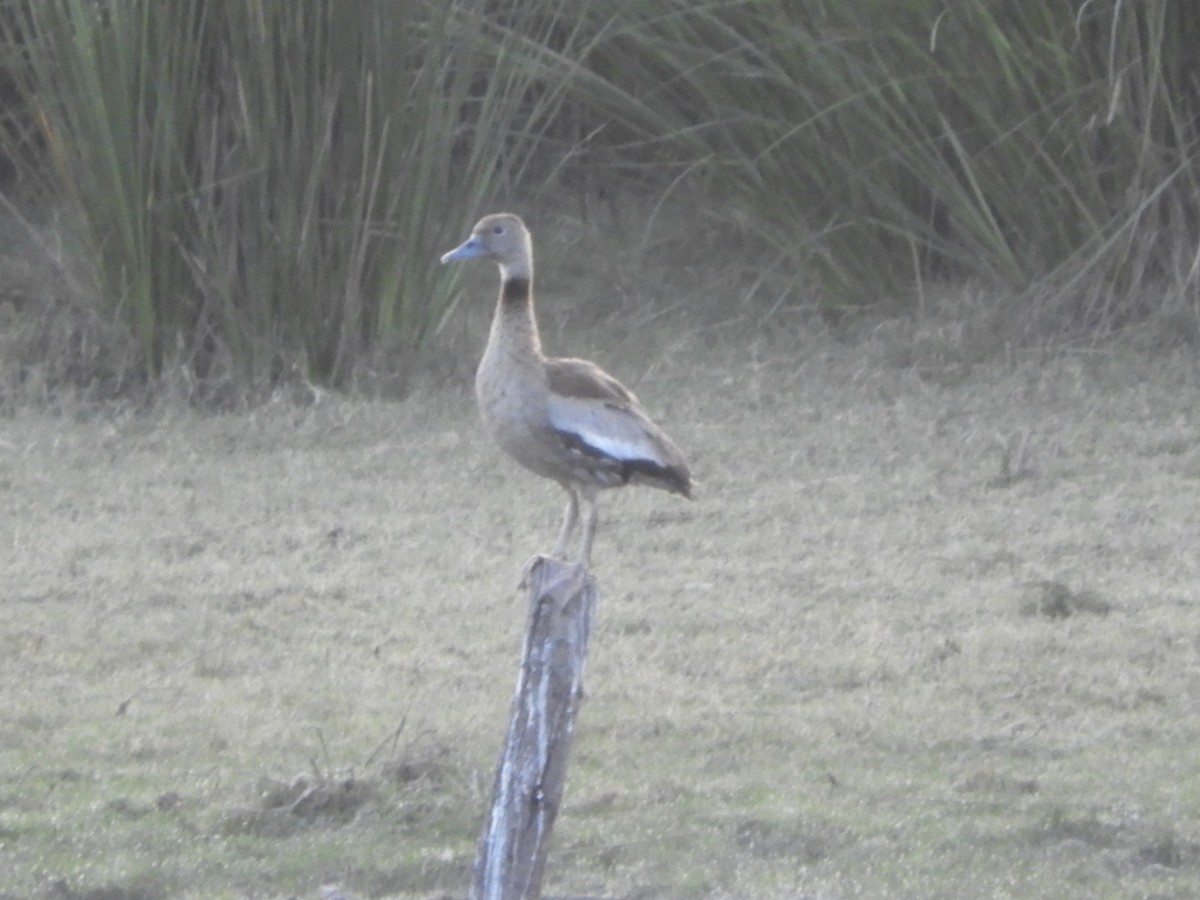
(563, 419)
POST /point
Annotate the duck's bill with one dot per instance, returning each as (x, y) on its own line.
(471, 249)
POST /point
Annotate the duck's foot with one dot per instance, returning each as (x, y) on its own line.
(530, 570)
(531, 566)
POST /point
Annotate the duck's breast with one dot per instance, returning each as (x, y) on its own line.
(512, 398)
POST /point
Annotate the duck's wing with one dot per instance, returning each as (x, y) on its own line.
(596, 417)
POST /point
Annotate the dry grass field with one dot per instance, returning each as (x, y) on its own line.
(928, 631)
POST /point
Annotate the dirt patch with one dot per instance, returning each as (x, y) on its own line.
(804, 843)
(303, 802)
(1055, 600)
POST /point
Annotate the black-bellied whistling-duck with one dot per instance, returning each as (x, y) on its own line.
(565, 419)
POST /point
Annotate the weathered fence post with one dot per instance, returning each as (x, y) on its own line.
(533, 764)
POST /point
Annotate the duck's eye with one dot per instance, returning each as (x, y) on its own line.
(497, 229)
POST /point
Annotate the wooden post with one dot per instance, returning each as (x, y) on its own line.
(533, 764)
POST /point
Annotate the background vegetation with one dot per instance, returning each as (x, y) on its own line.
(254, 189)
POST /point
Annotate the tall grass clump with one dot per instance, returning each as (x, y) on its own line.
(262, 186)
(1047, 148)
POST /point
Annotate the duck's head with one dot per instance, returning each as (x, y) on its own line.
(502, 238)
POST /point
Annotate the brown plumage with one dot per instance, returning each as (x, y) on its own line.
(565, 419)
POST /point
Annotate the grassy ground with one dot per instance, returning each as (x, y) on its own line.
(928, 631)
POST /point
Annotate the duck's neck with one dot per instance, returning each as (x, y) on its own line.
(514, 327)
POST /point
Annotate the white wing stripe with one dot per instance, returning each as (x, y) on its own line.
(615, 448)
(618, 433)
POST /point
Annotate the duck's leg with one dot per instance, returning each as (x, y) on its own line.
(590, 516)
(570, 520)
